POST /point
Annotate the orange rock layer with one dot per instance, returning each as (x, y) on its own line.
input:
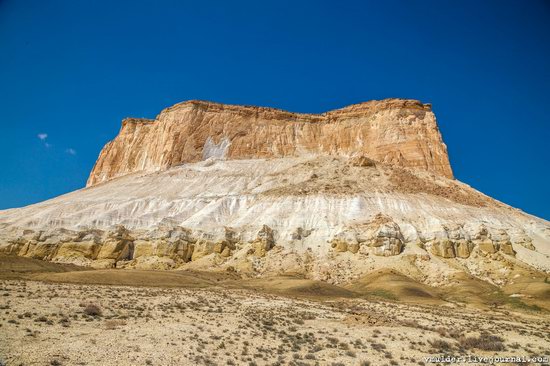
(395, 131)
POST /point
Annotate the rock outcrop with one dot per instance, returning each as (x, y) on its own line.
(395, 131)
(262, 191)
(381, 236)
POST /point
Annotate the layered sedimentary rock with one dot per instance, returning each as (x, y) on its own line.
(400, 132)
(381, 234)
(329, 217)
(319, 195)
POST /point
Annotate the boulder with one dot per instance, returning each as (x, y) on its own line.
(380, 236)
(487, 246)
(85, 249)
(202, 248)
(117, 245)
(339, 245)
(525, 241)
(506, 248)
(444, 248)
(362, 161)
(385, 236)
(387, 246)
(463, 248)
(264, 241)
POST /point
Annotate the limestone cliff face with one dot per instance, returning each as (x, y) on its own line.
(265, 192)
(395, 131)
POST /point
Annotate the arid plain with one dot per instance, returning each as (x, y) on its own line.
(236, 235)
(55, 314)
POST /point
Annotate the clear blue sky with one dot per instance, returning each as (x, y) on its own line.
(74, 69)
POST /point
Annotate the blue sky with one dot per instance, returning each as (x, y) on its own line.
(72, 70)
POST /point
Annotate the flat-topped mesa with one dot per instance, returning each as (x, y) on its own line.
(395, 131)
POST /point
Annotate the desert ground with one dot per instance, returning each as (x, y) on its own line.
(52, 314)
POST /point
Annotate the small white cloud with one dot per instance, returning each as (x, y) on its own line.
(70, 151)
(43, 137)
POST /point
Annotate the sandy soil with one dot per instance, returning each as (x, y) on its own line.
(215, 319)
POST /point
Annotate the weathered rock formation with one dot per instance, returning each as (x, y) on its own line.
(400, 132)
(262, 191)
(381, 234)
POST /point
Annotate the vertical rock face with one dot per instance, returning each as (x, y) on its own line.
(264, 191)
(395, 131)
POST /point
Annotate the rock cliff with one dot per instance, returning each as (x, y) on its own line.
(395, 131)
(261, 191)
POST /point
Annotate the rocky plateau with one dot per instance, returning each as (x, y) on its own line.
(260, 191)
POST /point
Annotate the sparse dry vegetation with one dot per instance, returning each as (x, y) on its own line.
(92, 310)
(53, 323)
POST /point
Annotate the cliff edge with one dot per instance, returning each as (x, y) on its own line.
(260, 191)
(394, 131)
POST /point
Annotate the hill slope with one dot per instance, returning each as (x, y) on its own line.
(331, 214)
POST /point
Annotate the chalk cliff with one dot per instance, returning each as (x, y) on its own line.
(261, 191)
(395, 131)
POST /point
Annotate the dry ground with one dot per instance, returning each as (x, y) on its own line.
(59, 315)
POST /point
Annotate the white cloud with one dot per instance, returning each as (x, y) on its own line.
(70, 151)
(43, 137)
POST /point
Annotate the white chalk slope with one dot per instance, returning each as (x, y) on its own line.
(319, 194)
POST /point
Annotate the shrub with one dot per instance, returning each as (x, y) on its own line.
(114, 324)
(485, 342)
(92, 310)
(441, 345)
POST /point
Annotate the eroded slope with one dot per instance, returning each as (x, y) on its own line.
(327, 217)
